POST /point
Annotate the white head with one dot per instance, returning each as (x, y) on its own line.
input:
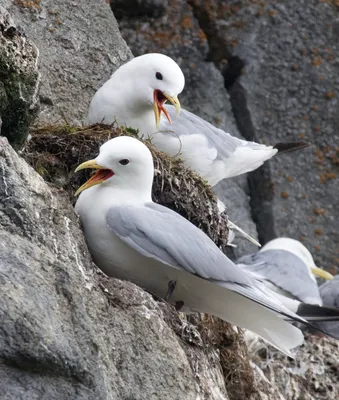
(148, 81)
(299, 250)
(122, 163)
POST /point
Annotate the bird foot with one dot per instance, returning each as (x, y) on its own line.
(170, 290)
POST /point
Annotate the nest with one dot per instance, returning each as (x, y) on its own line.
(234, 359)
(55, 151)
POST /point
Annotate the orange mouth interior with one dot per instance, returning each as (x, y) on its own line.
(101, 175)
(160, 100)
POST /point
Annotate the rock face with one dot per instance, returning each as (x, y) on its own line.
(289, 91)
(19, 80)
(313, 375)
(80, 46)
(68, 332)
(178, 35)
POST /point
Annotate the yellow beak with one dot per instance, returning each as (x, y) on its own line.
(101, 175)
(321, 273)
(158, 108)
(88, 164)
(175, 101)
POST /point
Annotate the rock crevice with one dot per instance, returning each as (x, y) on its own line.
(231, 66)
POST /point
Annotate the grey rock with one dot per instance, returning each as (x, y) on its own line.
(19, 83)
(137, 8)
(291, 87)
(312, 375)
(67, 331)
(178, 35)
(79, 45)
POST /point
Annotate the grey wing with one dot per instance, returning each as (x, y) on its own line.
(187, 123)
(329, 292)
(158, 232)
(284, 270)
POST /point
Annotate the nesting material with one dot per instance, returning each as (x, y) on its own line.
(55, 151)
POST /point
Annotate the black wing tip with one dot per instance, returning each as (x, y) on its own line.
(314, 314)
(290, 146)
(317, 313)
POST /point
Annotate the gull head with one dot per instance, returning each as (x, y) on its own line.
(151, 80)
(123, 163)
(299, 250)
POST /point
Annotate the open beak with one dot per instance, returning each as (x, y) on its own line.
(321, 273)
(159, 100)
(101, 175)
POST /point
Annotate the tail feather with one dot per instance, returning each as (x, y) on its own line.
(309, 314)
(290, 146)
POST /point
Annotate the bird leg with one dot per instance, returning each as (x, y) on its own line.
(171, 287)
(170, 290)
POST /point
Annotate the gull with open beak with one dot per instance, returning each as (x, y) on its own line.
(132, 238)
(287, 267)
(135, 96)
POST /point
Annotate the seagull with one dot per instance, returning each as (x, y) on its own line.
(287, 267)
(135, 96)
(329, 292)
(132, 238)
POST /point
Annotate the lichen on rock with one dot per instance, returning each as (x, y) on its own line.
(19, 81)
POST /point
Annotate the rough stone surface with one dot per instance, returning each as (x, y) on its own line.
(68, 332)
(135, 8)
(178, 35)
(312, 375)
(19, 80)
(80, 46)
(291, 88)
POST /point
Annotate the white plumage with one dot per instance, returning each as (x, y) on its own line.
(132, 238)
(129, 97)
(287, 267)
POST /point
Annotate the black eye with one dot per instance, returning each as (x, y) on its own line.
(158, 76)
(125, 161)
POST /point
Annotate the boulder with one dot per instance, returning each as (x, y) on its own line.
(79, 45)
(19, 81)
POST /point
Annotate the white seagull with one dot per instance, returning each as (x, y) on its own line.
(132, 238)
(135, 96)
(287, 267)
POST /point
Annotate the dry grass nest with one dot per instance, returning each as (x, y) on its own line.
(234, 359)
(55, 151)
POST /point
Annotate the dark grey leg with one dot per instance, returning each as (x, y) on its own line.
(170, 290)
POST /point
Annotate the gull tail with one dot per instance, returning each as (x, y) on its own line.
(266, 323)
(311, 314)
(290, 146)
